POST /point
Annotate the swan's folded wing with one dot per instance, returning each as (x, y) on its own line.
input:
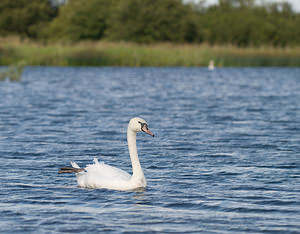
(107, 172)
(100, 175)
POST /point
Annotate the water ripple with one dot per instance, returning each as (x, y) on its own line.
(225, 157)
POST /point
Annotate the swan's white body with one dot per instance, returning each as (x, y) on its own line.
(211, 65)
(101, 175)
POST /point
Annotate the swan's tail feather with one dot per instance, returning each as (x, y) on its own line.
(70, 170)
(75, 165)
(74, 169)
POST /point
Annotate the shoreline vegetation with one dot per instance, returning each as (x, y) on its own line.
(13, 50)
(231, 33)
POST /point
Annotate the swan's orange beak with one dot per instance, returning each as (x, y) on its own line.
(146, 130)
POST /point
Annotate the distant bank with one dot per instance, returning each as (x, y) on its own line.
(13, 50)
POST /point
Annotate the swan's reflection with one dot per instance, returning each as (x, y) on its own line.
(142, 197)
(139, 196)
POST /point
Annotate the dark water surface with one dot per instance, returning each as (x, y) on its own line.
(226, 156)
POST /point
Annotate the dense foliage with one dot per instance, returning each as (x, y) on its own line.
(25, 18)
(152, 20)
(81, 19)
(238, 22)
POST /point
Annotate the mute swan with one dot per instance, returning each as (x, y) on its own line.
(100, 175)
(211, 65)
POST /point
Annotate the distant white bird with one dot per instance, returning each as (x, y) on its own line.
(101, 175)
(211, 65)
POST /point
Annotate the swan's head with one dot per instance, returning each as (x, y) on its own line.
(139, 125)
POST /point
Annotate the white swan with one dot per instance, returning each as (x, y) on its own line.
(100, 175)
(211, 65)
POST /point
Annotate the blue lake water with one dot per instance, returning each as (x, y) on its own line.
(226, 156)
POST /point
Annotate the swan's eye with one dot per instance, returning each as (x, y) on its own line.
(143, 125)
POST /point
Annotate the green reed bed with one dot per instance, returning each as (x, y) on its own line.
(13, 72)
(13, 50)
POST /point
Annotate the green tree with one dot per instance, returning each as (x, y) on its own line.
(147, 21)
(25, 18)
(242, 23)
(81, 19)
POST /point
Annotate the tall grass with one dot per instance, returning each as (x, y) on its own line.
(13, 72)
(13, 50)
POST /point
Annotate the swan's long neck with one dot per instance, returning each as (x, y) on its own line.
(137, 171)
